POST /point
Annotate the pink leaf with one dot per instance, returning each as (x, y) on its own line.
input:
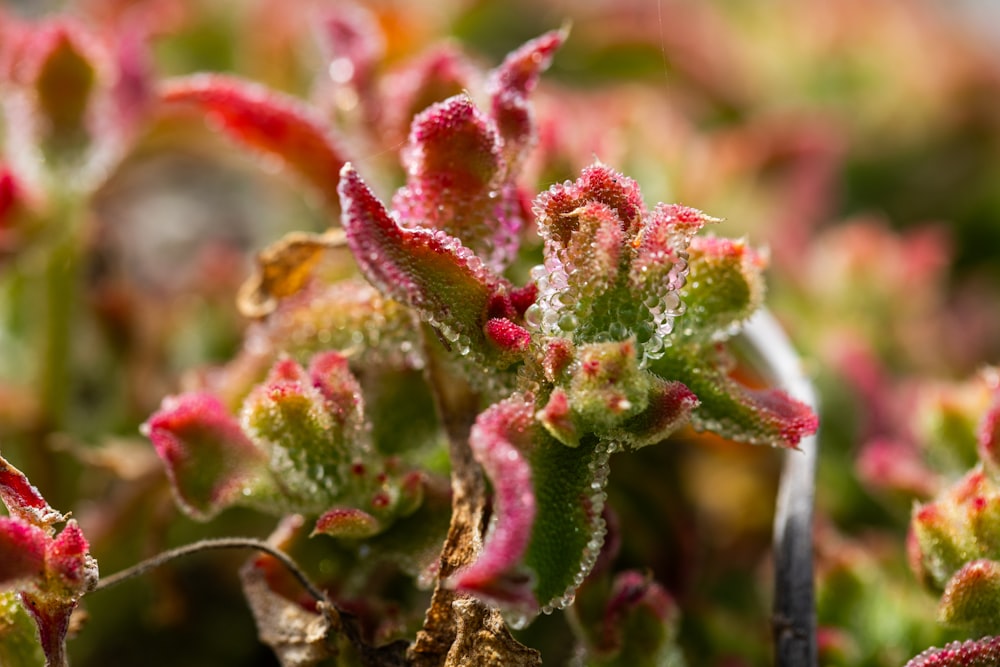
(983, 652)
(434, 77)
(509, 86)
(348, 522)
(353, 43)
(62, 64)
(209, 460)
(22, 551)
(23, 500)
(635, 597)
(500, 440)
(597, 183)
(68, 558)
(276, 125)
(989, 435)
(445, 282)
(456, 183)
(670, 407)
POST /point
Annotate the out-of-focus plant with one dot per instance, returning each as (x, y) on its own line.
(449, 349)
(405, 346)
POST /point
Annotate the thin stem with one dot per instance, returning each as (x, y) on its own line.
(209, 545)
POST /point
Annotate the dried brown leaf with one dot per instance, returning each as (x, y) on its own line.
(299, 637)
(283, 269)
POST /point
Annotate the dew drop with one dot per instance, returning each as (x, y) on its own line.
(533, 315)
(568, 322)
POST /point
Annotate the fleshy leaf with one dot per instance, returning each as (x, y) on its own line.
(455, 181)
(353, 43)
(612, 270)
(23, 500)
(51, 571)
(349, 315)
(724, 287)
(983, 652)
(757, 416)
(639, 625)
(434, 77)
(22, 552)
(609, 395)
(211, 463)
(312, 425)
(509, 86)
(568, 531)
(972, 597)
(501, 439)
(348, 522)
(597, 183)
(962, 524)
(445, 282)
(988, 436)
(275, 125)
(668, 407)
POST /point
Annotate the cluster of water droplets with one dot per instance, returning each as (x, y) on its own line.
(599, 471)
(596, 311)
(749, 432)
(553, 313)
(660, 306)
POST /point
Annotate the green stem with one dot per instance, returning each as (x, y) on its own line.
(61, 294)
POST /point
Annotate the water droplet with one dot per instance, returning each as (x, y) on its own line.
(533, 315)
(568, 322)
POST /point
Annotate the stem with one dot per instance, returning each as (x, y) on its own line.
(794, 623)
(61, 287)
(210, 545)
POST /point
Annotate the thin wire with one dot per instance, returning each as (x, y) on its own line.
(210, 545)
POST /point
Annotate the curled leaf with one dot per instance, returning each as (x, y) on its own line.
(972, 597)
(509, 86)
(456, 181)
(445, 282)
(284, 269)
(501, 439)
(211, 463)
(731, 409)
(724, 287)
(271, 123)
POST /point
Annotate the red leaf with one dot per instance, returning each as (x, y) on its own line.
(455, 181)
(276, 125)
(445, 282)
(509, 86)
(23, 500)
(209, 459)
(983, 652)
(22, 551)
(500, 440)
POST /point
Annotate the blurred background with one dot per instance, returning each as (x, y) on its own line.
(857, 140)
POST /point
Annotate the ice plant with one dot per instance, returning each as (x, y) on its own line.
(617, 340)
(49, 569)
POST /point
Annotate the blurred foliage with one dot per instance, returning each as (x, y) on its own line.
(859, 139)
